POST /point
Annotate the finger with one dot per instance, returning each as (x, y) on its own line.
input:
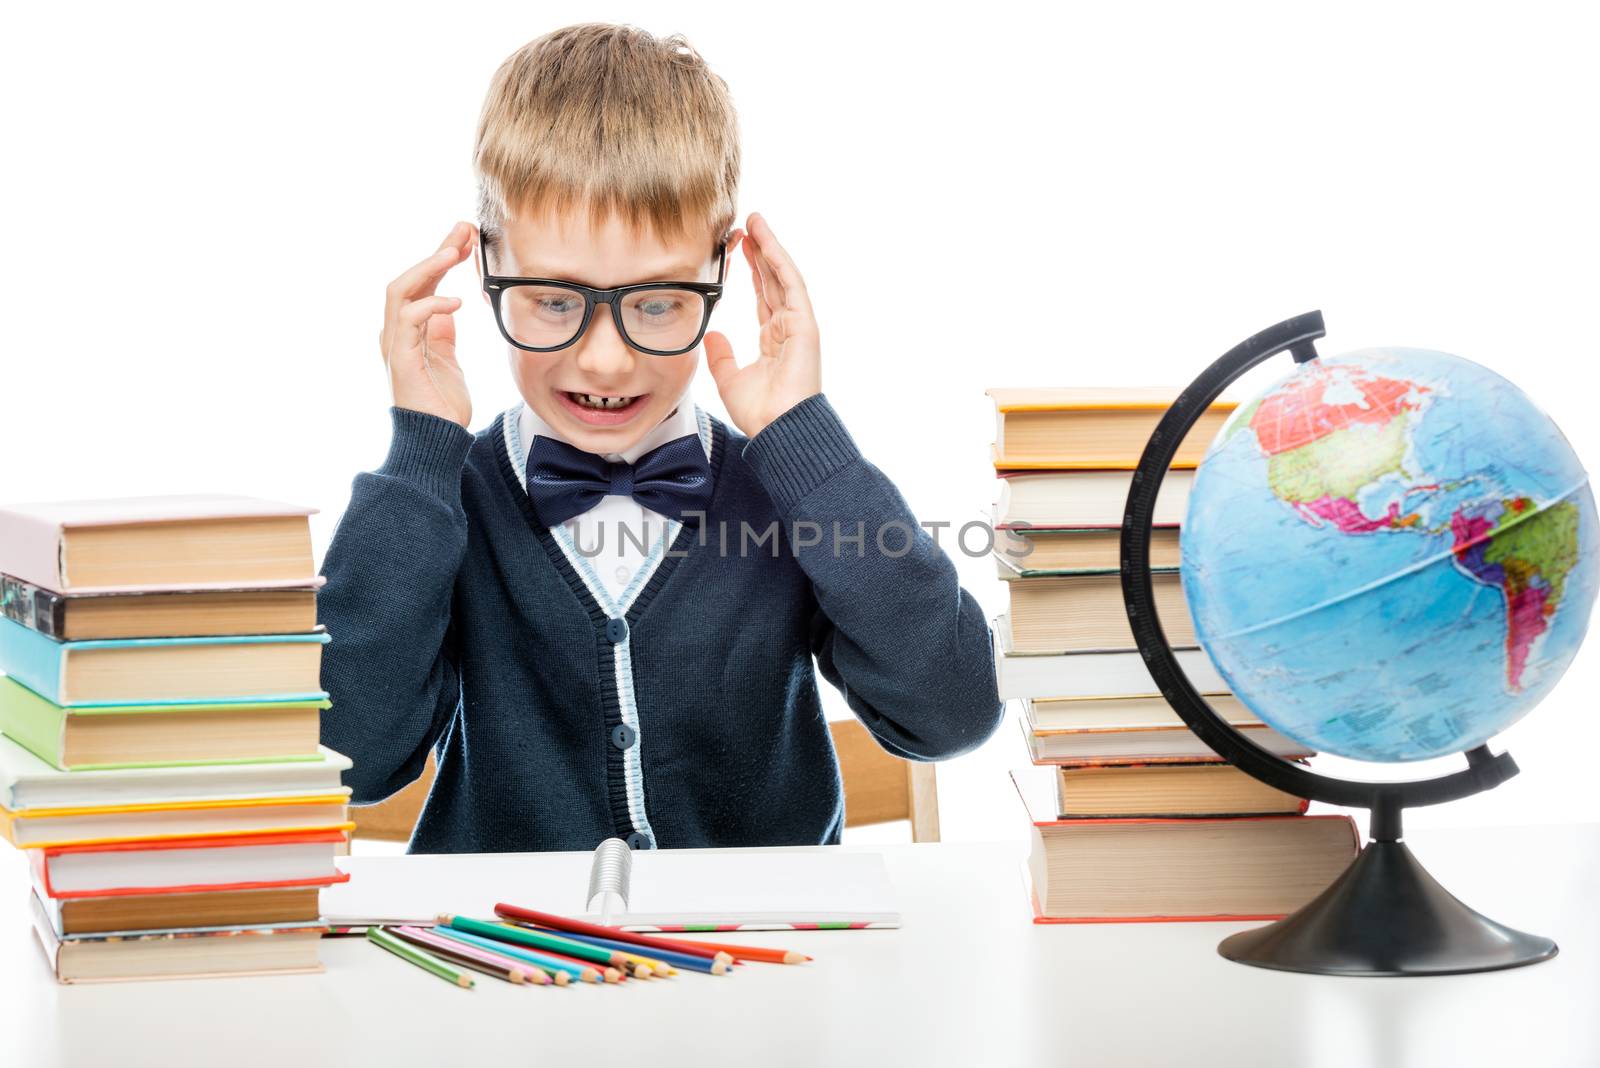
(415, 314)
(771, 287)
(423, 277)
(788, 274)
(454, 237)
(763, 308)
(719, 359)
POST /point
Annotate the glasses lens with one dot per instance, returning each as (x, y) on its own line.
(541, 316)
(664, 319)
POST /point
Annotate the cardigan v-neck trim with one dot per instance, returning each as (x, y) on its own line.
(625, 786)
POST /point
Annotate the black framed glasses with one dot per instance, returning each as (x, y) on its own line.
(549, 314)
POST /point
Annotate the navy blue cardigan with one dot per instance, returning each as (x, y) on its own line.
(687, 715)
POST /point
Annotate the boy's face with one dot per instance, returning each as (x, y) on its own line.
(561, 386)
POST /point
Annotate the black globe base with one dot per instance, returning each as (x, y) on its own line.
(1386, 916)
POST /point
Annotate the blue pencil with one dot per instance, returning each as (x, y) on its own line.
(681, 960)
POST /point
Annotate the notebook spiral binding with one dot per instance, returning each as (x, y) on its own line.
(610, 874)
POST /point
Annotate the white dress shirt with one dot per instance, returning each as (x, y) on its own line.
(619, 556)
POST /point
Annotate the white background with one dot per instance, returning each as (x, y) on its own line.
(202, 206)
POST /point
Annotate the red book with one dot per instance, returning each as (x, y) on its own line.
(188, 865)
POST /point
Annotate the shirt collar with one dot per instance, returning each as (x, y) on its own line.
(680, 423)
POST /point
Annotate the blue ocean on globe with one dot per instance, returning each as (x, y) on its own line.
(1391, 555)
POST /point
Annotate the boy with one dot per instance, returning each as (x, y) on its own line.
(601, 611)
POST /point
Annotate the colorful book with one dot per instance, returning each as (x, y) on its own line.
(115, 736)
(1088, 674)
(28, 782)
(1091, 427)
(42, 828)
(188, 953)
(190, 865)
(146, 614)
(123, 671)
(1121, 870)
(194, 541)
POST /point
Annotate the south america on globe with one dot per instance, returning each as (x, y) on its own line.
(1391, 555)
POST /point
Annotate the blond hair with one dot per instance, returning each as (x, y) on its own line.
(612, 119)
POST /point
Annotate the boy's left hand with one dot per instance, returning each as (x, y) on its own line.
(789, 368)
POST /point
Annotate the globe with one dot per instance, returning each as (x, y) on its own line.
(1390, 555)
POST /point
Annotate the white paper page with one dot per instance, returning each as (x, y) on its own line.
(690, 886)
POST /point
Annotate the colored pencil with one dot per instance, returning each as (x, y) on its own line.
(616, 934)
(422, 959)
(619, 962)
(530, 937)
(586, 973)
(755, 953)
(482, 960)
(663, 957)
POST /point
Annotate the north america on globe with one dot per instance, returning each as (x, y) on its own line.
(1383, 550)
(1334, 434)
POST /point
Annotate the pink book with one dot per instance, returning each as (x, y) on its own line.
(203, 541)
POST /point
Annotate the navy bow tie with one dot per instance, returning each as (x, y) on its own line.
(564, 481)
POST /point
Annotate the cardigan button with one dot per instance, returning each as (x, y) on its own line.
(623, 736)
(617, 630)
(638, 841)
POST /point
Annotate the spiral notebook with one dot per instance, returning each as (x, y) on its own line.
(666, 890)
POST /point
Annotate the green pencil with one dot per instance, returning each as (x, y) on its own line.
(421, 958)
(528, 937)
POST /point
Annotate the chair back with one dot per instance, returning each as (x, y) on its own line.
(878, 788)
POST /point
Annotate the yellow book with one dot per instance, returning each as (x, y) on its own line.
(40, 828)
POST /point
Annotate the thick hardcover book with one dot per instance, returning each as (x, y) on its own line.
(1090, 427)
(28, 782)
(1111, 870)
(188, 865)
(1148, 791)
(157, 735)
(159, 912)
(1100, 673)
(158, 614)
(192, 541)
(1082, 500)
(115, 671)
(185, 953)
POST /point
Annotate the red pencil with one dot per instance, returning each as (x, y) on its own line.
(563, 923)
(768, 956)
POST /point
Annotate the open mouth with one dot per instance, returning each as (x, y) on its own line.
(602, 409)
(600, 403)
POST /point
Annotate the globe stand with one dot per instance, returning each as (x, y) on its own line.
(1385, 915)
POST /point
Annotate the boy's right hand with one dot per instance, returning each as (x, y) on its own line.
(418, 339)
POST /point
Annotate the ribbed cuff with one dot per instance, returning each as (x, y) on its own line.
(428, 452)
(799, 450)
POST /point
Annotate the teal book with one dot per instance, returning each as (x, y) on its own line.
(133, 671)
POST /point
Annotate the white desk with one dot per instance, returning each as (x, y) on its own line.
(967, 981)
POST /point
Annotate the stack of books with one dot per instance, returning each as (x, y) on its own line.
(159, 723)
(1133, 817)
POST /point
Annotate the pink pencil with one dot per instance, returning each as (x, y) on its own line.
(482, 956)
